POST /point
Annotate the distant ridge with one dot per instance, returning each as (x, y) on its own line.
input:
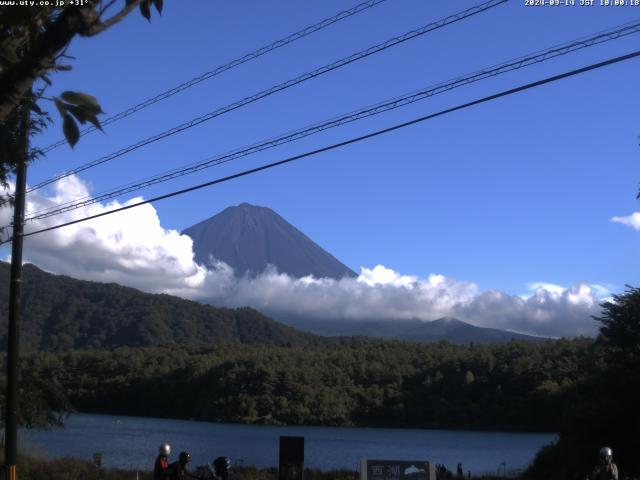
(446, 328)
(249, 238)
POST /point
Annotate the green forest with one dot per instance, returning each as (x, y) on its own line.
(513, 386)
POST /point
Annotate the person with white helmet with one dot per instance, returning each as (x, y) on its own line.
(607, 470)
(161, 465)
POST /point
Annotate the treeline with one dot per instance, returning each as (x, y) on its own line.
(512, 386)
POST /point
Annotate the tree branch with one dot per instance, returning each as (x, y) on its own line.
(107, 6)
(102, 26)
(16, 80)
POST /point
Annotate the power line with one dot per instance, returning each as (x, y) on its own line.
(282, 86)
(520, 62)
(228, 66)
(348, 142)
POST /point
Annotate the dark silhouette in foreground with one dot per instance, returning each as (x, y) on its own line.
(606, 470)
(178, 470)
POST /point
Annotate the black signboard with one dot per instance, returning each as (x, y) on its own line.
(291, 458)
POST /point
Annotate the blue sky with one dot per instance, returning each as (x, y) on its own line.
(515, 191)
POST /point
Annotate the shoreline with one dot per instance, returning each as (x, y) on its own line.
(345, 426)
(129, 442)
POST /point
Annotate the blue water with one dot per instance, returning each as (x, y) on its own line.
(132, 442)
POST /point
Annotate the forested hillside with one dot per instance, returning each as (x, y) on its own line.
(61, 313)
(519, 386)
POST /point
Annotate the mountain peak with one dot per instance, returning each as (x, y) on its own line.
(247, 207)
(249, 238)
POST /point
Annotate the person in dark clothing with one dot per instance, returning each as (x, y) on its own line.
(221, 467)
(178, 470)
(161, 465)
(607, 470)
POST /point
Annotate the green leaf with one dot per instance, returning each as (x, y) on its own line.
(158, 4)
(62, 108)
(88, 102)
(70, 129)
(145, 10)
(79, 113)
(83, 116)
(94, 120)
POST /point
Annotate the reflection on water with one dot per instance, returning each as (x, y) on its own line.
(131, 442)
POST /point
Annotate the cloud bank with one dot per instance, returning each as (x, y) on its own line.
(632, 220)
(132, 248)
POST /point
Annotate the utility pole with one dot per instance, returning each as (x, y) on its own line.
(11, 411)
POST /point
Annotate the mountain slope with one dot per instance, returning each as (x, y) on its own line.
(449, 329)
(248, 238)
(60, 313)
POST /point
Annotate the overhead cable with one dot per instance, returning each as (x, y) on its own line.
(227, 66)
(346, 142)
(277, 88)
(511, 65)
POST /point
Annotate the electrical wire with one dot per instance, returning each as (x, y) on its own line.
(277, 88)
(511, 65)
(228, 66)
(334, 146)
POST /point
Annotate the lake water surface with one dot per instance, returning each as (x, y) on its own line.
(132, 442)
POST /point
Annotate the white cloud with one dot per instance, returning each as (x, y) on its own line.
(132, 248)
(550, 311)
(632, 220)
(564, 312)
(547, 287)
(378, 293)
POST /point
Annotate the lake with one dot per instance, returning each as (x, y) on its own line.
(132, 442)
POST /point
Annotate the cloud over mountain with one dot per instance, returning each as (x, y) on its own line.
(132, 248)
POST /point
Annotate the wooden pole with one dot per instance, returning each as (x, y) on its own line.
(11, 412)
